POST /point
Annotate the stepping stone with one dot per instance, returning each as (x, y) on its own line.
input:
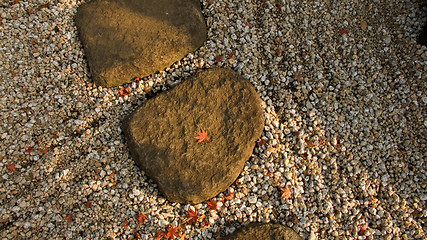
(124, 39)
(264, 231)
(161, 134)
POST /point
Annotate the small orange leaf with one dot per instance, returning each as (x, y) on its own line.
(286, 193)
(11, 166)
(212, 204)
(228, 197)
(44, 150)
(268, 172)
(124, 91)
(161, 234)
(172, 232)
(206, 223)
(344, 31)
(69, 217)
(141, 218)
(29, 150)
(126, 225)
(261, 142)
(192, 214)
(202, 136)
(89, 204)
(362, 230)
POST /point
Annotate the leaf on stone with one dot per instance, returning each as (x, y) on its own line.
(218, 58)
(11, 166)
(192, 214)
(212, 204)
(89, 204)
(286, 193)
(124, 91)
(172, 232)
(202, 136)
(69, 217)
(248, 24)
(141, 218)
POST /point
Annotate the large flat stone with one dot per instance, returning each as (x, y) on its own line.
(160, 134)
(124, 39)
(259, 231)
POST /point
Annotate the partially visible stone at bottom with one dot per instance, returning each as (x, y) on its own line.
(259, 231)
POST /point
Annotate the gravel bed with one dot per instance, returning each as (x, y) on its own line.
(345, 98)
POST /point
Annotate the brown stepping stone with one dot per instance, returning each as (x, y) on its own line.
(124, 39)
(161, 134)
(257, 231)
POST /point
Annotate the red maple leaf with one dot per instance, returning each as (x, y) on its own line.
(141, 218)
(232, 54)
(203, 136)
(261, 142)
(29, 150)
(192, 215)
(126, 225)
(172, 232)
(268, 172)
(362, 230)
(44, 150)
(11, 166)
(124, 91)
(69, 217)
(218, 58)
(228, 197)
(212, 204)
(206, 223)
(344, 31)
(161, 234)
(286, 193)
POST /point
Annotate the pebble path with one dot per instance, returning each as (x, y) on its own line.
(345, 100)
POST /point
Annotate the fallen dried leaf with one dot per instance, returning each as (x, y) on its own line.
(29, 150)
(212, 204)
(11, 166)
(344, 31)
(124, 91)
(218, 58)
(192, 214)
(286, 193)
(161, 234)
(203, 136)
(172, 232)
(69, 217)
(261, 142)
(141, 218)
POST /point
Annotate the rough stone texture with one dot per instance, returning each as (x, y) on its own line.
(124, 39)
(265, 232)
(161, 134)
